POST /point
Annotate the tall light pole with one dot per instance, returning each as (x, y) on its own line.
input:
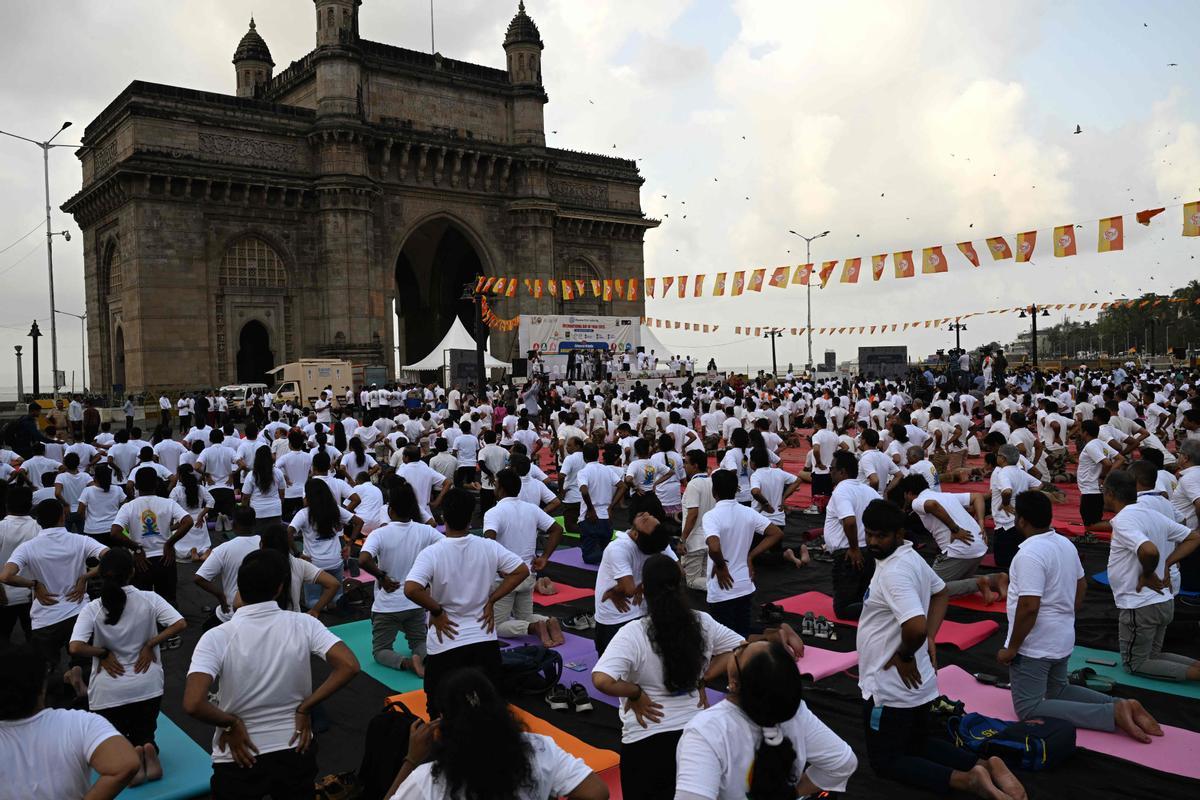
(46, 145)
(808, 240)
(82, 340)
(773, 334)
(1033, 314)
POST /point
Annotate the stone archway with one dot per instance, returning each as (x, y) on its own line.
(254, 356)
(437, 260)
(118, 381)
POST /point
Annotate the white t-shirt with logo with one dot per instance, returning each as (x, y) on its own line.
(150, 522)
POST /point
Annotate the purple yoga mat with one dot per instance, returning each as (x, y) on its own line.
(581, 650)
(572, 557)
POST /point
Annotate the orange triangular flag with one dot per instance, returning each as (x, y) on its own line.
(999, 248)
(1144, 217)
(1025, 244)
(968, 250)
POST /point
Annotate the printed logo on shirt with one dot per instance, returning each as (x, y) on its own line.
(149, 522)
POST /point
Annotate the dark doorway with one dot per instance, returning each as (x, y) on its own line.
(118, 381)
(440, 258)
(254, 356)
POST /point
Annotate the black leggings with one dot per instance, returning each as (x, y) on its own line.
(157, 578)
(137, 722)
(648, 767)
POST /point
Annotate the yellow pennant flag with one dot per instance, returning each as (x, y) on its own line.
(619, 288)
(1191, 219)
(850, 268)
(739, 283)
(650, 287)
(595, 288)
(802, 274)
(999, 248)
(1112, 235)
(512, 288)
(608, 289)
(1064, 241)
(904, 264)
(568, 290)
(827, 268)
(756, 280)
(719, 286)
(779, 277)
(933, 260)
(968, 250)
(1025, 244)
(682, 286)
(698, 286)
(552, 286)
(877, 265)
(632, 288)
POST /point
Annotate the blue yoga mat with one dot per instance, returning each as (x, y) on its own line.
(187, 767)
(357, 636)
(1118, 675)
(1102, 579)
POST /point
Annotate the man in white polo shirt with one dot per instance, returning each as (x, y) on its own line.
(1007, 481)
(729, 530)
(516, 524)
(264, 744)
(1046, 588)
(1096, 459)
(1145, 545)
(845, 539)
(53, 565)
(698, 500)
(598, 489)
(424, 479)
(959, 536)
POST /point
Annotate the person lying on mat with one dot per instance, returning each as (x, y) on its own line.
(476, 747)
(262, 658)
(618, 594)
(897, 662)
(959, 536)
(455, 581)
(762, 741)
(1046, 588)
(1146, 546)
(388, 554)
(515, 524)
(120, 632)
(657, 666)
(49, 754)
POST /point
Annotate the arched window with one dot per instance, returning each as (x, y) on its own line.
(251, 263)
(114, 267)
(585, 303)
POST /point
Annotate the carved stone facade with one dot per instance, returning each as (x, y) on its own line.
(361, 178)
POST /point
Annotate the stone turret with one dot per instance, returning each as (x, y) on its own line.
(523, 46)
(252, 63)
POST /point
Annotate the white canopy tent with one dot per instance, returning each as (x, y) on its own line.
(650, 343)
(457, 338)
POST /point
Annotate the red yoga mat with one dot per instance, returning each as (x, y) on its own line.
(961, 635)
(974, 602)
(565, 595)
(1176, 752)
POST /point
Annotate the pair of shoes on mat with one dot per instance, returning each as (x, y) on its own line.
(580, 622)
(821, 627)
(560, 698)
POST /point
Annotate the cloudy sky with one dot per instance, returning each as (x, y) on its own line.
(893, 124)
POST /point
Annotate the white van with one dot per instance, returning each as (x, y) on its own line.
(238, 393)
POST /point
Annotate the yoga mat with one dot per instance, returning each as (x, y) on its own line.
(974, 602)
(961, 635)
(1117, 674)
(612, 779)
(357, 636)
(1176, 752)
(565, 595)
(1102, 579)
(581, 650)
(988, 561)
(599, 760)
(572, 557)
(187, 767)
(820, 663)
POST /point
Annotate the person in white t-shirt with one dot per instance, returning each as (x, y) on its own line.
(600, 485)
(263, 712)
(121, 632)
(1096, 460)
(327, 529)
(151, 526)
(667, 465)
(466, 449)
(762, 741)
(493, 755)
(698, 500)
(454, 580)
(1007, 481)
(902, 612)
(770, 486)
(424, 479)
(1047, 586)
(1145, 546)
(824, 444)
(16, 528)
(51, 754)
(388, 554)
(845, 538)
(729, 531)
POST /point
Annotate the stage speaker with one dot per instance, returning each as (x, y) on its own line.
(520, 368)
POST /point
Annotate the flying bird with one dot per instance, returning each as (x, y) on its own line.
(1078, 129)
(1172, 65)
(593, 102)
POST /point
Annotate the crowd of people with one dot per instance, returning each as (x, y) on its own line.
(455, 500)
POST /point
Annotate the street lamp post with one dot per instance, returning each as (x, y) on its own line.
(46, 145)
(808, 240)
(82, 341)
(20, 376)
(773, 334)
(35, 333)
(1032, 312)
(958, 328)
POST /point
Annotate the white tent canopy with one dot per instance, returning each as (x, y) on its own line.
(650, 343)
(457, 338)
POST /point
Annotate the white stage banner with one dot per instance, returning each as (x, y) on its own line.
(556, 334)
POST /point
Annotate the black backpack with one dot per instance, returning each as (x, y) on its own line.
(529, 669)
(385, 748)
(1034, 744)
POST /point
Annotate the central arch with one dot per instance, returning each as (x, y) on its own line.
(254, 356)
(437, 260)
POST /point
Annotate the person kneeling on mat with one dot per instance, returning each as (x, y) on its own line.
(897, 661)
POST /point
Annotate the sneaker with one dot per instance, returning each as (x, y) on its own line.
(579, 698)
(808, 624)
(558, 698)
(580, 622)
(822, 628)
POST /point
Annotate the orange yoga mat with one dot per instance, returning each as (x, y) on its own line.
(599, 760)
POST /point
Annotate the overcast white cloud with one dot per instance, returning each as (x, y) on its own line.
(894, 125)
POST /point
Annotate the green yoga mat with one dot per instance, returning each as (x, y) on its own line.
(1118, 675)
(187, 767)
(357, 636)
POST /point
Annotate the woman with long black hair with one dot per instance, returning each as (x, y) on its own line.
(357, 460)
(99, 503)
(120, 632)
(263, 488)
(304, 573)
(762, 742)
(197, 501)
(320, 523)
(654, 666)
(737, 461)
(477, 750)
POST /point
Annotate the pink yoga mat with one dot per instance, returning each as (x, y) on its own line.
(565, 594)
(975, 603)
(1176, 752)
(821, 663)
(572, 557)
(961, 635)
